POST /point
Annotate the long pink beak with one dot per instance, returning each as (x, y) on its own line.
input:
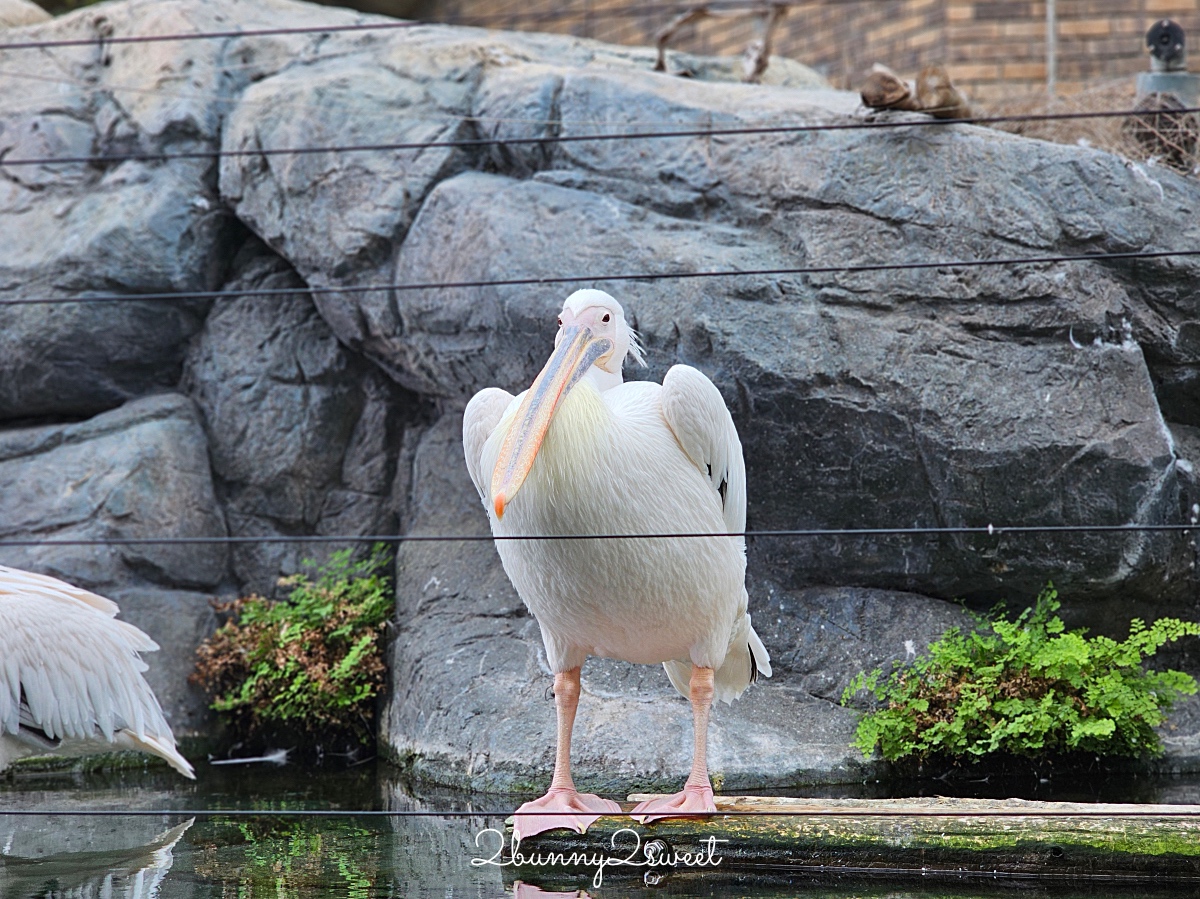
(576, 353)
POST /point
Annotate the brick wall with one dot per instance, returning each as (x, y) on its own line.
(995, 49)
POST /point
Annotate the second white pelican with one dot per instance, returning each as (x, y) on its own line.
(71, 675)
(583, 453)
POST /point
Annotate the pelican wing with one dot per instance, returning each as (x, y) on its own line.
(696, 413)
(27, 583)
(482, 415)
(71, 670)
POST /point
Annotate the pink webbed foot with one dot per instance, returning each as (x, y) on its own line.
(547, 813)
(690, 802)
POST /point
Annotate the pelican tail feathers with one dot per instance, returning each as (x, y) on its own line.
(745, 662)
(161, 745)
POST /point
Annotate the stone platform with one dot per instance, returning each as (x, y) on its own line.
(1126, 845)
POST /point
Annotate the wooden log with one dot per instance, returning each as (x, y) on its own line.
(996, 839)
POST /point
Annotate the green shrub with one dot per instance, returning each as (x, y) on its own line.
(311, 664)
(1025, 687)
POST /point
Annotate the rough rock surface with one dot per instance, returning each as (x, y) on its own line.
(940, 413)
(302, 434)
(103, 229)
(1042, 393)
(136, 472)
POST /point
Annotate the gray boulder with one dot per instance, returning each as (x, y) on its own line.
(96, 230)
(850, 418)
(140, 471)
(336, 216)
(141, 231)
(303, 435)
(76, 360)
(117, 226)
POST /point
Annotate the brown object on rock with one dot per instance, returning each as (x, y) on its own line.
(884, 89)
(937, 96)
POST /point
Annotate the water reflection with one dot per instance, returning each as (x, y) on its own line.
(418, 856)
(432, 851)
(272, 857)
(34, 865)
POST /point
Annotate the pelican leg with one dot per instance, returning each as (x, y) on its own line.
(562, 806)
(696, 798)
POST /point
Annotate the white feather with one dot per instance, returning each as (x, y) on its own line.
(72, 671)
(696, 413)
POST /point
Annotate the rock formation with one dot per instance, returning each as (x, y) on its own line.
(178, 399)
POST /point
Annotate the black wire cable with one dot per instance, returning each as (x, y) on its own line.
(103, 40)
(535, 16)
(621, 12)
(475, 142)
(578, 279)
(983, 531)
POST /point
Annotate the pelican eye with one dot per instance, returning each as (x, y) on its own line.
(605, 318)
(560, 321)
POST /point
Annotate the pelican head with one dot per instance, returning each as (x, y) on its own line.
(593, 340)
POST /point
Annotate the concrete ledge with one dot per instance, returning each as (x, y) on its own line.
(973, 838)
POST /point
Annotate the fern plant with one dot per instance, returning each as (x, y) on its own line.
(1023, 687)
(311, 664)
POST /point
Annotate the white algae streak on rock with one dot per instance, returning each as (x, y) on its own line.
(1038, 394)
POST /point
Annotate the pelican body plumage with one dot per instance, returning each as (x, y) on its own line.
(584, 457)
(71, 675)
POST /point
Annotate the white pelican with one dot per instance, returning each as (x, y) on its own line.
(71, 675)
(581, 452)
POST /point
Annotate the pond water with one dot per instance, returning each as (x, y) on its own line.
(157, 836)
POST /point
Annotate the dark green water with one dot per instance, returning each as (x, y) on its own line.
(151, 846)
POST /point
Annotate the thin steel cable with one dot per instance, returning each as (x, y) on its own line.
(443, 118)
(750, 7)
(1187, 812)
(982, 531)
(466, 143)
(463, 21)
(595, 278)
(111, 87)
(446, 118)
(110, 40)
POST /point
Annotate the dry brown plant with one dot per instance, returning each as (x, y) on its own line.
(1154, 137)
